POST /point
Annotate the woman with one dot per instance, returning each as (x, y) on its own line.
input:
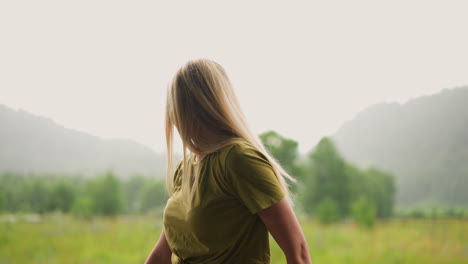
(227, 192)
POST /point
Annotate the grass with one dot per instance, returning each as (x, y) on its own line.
(128, 239)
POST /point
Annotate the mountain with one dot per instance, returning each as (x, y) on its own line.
(423, 142)
(30, 143)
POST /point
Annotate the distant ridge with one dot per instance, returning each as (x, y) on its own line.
(424, 142)
(30, 143)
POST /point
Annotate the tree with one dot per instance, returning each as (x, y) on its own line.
(327, 211)
(107, 194)
(61, 197)
(328, 178)
(36, 197)
(153, 196)
(363, 212)
(82, 207)
(376, 185)
(133, 192)
(133, 188)
(382, 191)
(2, 199)
(285, 151)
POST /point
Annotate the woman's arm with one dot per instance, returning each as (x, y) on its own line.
(161, 253)
(286, 230)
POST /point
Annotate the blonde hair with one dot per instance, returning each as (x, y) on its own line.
(200, 98)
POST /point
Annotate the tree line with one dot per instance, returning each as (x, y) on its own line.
(332, 189)
(106, 194)
(329, 188)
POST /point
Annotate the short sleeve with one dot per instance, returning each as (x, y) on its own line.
(252, 178)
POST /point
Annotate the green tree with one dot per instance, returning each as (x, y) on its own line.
(328, 211)
(36, 195)
(82, 207)
(153, 196)
(382, 191)
(2, 198)
(285, 151)
(327, 179)
(133, 192)
(376, 184)
(61, 196)
(107, 194)
(363, 212)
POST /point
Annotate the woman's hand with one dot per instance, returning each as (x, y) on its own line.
(161, 253)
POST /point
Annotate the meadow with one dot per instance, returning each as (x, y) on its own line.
(61, 238)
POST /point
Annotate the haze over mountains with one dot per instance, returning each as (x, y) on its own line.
(423, 142)
(30, 143)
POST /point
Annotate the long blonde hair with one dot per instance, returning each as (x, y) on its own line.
(200, 98)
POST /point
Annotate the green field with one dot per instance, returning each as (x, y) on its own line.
(56, 238)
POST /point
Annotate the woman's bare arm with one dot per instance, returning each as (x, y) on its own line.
(161, 253)
(283, 225)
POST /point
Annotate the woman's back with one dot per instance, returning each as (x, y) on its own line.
(235, 183)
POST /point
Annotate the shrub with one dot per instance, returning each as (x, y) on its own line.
(328, 211)
(364, 212)
(82, 207)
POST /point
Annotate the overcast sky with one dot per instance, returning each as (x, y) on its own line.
(301, 68)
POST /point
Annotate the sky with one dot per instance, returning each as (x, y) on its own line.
(301, 68)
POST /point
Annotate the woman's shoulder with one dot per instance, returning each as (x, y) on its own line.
(241, 152)
(236, 147)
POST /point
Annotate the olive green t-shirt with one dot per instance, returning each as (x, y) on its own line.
(235, 183)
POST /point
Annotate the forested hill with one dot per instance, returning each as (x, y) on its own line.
(31, 143)
(424, 142)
